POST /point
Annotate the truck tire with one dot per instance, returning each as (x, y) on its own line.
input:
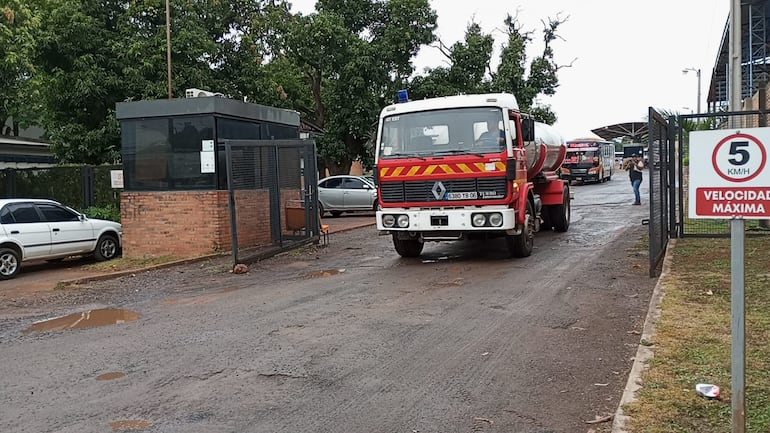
(560, 213)
(408, 247)
(521, 245)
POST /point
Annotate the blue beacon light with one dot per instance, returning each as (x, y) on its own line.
(403, 95)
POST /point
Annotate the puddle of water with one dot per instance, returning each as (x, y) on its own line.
(85, 319)
(110, 375)
(130, 424)
(326, 272)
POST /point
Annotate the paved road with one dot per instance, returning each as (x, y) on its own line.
(345, 338)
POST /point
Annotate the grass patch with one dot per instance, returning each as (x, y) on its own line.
(692, 342)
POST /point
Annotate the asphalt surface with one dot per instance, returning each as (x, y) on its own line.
(347, 337)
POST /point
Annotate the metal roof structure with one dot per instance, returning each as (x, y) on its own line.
(633, 130)
(755, 57)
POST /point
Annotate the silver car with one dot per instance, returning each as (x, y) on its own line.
(38, 229)
(346, 193)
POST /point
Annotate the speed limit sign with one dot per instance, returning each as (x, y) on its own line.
(729, 174)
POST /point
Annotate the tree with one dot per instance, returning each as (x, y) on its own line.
(470, 71)
(354, 54)
(18, 24)
(81, 72)
(96, 53)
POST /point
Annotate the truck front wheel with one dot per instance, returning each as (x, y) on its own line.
(521, 245)
(411, 247)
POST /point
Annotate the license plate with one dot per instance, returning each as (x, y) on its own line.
(462, 195)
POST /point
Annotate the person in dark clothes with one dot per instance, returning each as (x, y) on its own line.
(635, 169)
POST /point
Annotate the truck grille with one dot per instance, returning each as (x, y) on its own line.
(421, 190)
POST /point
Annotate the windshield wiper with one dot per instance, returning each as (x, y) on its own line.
(410, 155)
(459, 151)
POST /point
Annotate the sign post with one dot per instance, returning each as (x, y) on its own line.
(729, 179)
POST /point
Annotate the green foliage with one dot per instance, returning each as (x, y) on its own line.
(470, 71)
(108, 212)
(18, 25)
(72, 61)
(352, 53)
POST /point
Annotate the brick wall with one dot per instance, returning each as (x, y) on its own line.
(195, 223)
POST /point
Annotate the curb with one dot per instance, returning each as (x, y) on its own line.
(644, 352)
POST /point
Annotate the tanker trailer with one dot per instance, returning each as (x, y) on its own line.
(440, 177)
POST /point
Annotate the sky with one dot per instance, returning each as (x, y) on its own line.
(625, 56)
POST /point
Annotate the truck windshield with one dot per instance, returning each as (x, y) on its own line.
(442, 132)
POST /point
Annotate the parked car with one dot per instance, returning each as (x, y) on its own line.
(370, 178)
(346, 193)
(38, 229)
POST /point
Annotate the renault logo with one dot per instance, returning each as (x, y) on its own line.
(438, 190)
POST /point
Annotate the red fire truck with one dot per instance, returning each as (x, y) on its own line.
(465, 167)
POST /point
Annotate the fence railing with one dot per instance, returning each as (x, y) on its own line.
(79, 187)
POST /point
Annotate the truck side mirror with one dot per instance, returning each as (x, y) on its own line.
(528, 129)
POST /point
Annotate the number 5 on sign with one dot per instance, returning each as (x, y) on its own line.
(729, 177)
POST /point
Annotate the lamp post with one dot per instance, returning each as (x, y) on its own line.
(697, 73)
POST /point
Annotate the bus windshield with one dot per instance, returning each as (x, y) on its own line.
(443, 132)
(582, 155)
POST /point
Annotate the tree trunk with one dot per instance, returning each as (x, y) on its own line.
(342, 167)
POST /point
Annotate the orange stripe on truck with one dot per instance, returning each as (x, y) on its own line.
(455, 168)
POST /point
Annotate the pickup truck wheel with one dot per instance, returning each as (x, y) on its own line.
(408, 247)
(560, 213)
(521, 245)
(106, 248)
(9, 263)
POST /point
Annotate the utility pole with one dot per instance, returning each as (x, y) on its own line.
(737, 246)
(168, 46)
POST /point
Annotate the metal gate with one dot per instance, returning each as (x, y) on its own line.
(662, 221)
(272, 193)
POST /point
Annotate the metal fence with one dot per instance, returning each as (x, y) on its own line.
(79, 187)
(274, 181)
(694, 227)
(662, 221)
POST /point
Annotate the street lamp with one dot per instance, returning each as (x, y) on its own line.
(697, 73)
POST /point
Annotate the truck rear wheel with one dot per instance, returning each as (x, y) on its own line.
(521, 245)
(411, 247)
(560, 213)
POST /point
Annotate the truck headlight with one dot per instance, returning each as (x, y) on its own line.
(496, 219)
(388, 220)
(478, 219)
(403, 221)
